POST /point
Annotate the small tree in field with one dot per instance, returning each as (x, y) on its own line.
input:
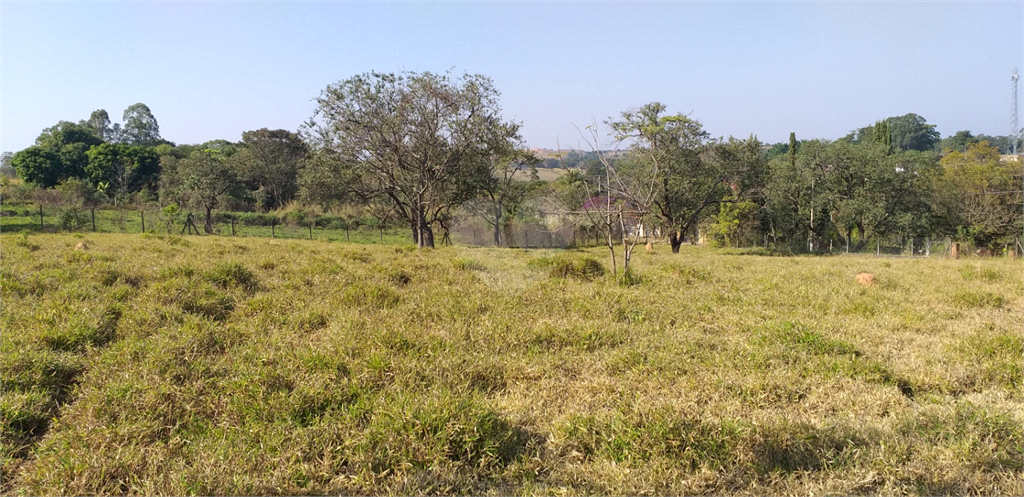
(503, 194)
(204, 178)
(619, 194)
(674, 147)
(421, 140)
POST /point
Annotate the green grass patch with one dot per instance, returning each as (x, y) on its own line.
(977, 299)
(570, 265)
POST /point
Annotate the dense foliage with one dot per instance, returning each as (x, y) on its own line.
(431, 151)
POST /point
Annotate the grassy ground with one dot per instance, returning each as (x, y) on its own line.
(226, 366)
(25, 218)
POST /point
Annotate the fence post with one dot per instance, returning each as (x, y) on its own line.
(310, 230)
(41, 226)
(272, 223)
(93, 219)
(232, 226)
(143, 214)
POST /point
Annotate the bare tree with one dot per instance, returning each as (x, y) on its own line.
(619, 197)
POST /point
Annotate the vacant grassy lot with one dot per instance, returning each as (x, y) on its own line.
(218, 366)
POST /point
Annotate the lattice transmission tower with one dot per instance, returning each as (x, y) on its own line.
(1015, 132)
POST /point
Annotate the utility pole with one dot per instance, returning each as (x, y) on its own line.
(1015, 132)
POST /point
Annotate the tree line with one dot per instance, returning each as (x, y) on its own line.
(431, 150)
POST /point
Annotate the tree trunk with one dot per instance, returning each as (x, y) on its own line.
(422, 230)
(208, 226)
(497, 225)
(427, 235)
(675, 239)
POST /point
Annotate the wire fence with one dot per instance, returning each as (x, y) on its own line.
(40, 219)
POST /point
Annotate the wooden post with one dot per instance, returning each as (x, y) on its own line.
(310, 230)
(272, 223)
(143, 214)
(232, 225)
(41, 226)
(93, 219)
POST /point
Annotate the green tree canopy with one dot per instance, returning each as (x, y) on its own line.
(958, 142)
(980, 195)
(140, 127)
(694, 173)
(99, 123)
(271, 160)
(420, 139)
(59, 154)
(121, 169)
(204, 178)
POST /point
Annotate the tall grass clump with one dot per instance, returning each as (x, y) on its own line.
(571, 265)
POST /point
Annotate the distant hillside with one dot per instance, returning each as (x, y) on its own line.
(569, 157)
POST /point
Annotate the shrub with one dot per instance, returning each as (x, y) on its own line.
(256, 219)
(72, 218)
(231, 275)
(23, 242)
(630, 278)
(580, 267)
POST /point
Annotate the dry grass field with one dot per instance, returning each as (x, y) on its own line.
(215, 366)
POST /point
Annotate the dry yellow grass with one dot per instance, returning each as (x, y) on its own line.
(218, 366)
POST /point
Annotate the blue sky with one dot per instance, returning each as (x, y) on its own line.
(211, 70)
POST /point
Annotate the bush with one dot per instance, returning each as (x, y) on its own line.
(256, 219)
(231, 275)
(72, 218)
(580, 267)
(299, 217)
(630, 278)
(331, 222)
